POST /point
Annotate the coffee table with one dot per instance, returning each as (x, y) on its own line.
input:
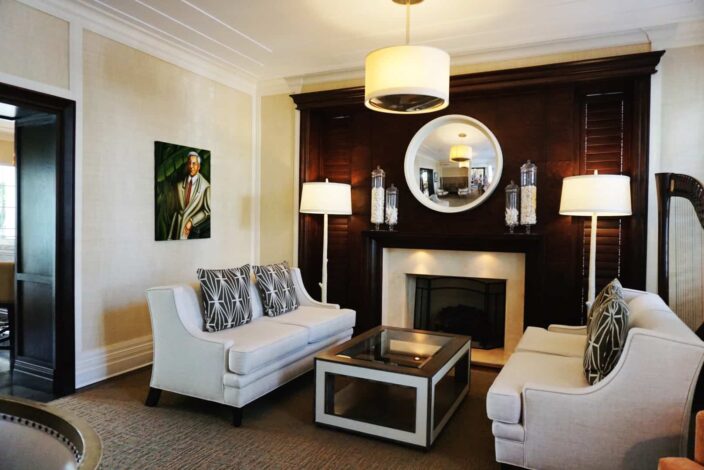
(393, 383)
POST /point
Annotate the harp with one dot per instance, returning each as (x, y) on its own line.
(681, 246)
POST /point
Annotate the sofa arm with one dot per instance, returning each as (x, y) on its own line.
(304, 297)
(186, 360)
(645, 401)
(573, 330)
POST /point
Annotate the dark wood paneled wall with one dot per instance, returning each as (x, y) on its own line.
(536, 113)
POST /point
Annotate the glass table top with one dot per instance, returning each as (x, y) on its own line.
(397, 347)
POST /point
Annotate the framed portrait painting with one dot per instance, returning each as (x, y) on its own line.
(181, 192)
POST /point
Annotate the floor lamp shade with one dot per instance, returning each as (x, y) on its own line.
(593, 196)
(326, 198)
(603, 195)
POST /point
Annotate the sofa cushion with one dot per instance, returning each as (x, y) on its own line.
(276, 287)
(225, 296)
(606, 335)
(548, 342)
(503, 401)
(260, 342)
(320, 322)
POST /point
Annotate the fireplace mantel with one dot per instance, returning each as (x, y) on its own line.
(531, 245)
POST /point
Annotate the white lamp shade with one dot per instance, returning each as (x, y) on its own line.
(460, 153)
(326, 198)
(602, 195)
(407, 80)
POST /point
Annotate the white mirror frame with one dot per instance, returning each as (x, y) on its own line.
(417, 141)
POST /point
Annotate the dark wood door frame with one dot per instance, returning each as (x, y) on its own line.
(64, 367)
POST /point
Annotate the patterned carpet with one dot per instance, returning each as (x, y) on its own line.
(277, 432)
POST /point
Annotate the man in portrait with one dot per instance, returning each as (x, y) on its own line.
(193, 195)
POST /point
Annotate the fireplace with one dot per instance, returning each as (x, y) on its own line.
(469, 306)
(393, 257)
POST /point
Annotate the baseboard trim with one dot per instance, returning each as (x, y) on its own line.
(102, 363)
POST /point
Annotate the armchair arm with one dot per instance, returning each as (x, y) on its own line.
(644, 403)
(186, 360)
(303, 296)
(573, 330)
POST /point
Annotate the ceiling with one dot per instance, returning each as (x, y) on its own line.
(272, 39)
(437, 144)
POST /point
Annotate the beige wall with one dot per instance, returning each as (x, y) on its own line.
(682, 147)
(277, 209)
(678, 140)
(7, 152)
(33, 45)
(130, 100)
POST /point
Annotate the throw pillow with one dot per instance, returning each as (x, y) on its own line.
(611, 289)
(276, 288)
(226, 301)
(606, 335)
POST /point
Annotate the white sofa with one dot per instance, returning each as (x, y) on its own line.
(547, 416)
(237, 365)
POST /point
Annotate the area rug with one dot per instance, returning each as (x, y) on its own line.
(277, 432)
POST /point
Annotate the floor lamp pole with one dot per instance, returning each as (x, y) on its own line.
(324, 283)
(592, 261)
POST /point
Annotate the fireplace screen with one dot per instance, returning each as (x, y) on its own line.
(468, 306)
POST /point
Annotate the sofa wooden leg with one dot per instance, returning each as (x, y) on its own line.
(152, 397)
(236, 417)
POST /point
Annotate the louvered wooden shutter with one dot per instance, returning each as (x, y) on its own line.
(604, 148)
(338, 145)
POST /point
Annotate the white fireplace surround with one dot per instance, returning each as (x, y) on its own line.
(397, 283)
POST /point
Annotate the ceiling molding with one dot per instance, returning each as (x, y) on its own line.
(118, 29)
(629, 38)
(677, 35)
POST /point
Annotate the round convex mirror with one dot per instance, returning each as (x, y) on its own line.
(453, 163)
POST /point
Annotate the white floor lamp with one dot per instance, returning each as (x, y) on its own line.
(327, 199)
(594, 196)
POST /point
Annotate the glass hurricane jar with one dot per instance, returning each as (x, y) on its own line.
(511, 213)
(529, 194)
(378, 177)
(392, 207)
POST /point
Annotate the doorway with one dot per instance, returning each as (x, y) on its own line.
(37, 238)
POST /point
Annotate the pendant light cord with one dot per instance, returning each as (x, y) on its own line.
(408, 22)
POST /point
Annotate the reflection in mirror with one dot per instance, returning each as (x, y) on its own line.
(453, 163)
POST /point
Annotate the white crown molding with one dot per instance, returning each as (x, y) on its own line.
(102, 363)
(117, 29)
(671, 36)
(626, 38)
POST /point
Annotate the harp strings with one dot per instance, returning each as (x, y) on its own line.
(686, 263)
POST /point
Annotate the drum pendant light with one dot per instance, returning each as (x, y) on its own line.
(407, 79)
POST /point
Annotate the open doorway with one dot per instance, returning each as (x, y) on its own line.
(36, 243)
(7, 241)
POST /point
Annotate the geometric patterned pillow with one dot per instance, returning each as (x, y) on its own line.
(606, 334)
(276, 288)
(225, 293)
(612, 288)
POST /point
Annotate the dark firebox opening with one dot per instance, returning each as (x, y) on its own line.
(474, 307)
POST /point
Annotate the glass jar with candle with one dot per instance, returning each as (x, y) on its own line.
(392, 207)
(529, 194)
(511, 213)
(378, 177)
